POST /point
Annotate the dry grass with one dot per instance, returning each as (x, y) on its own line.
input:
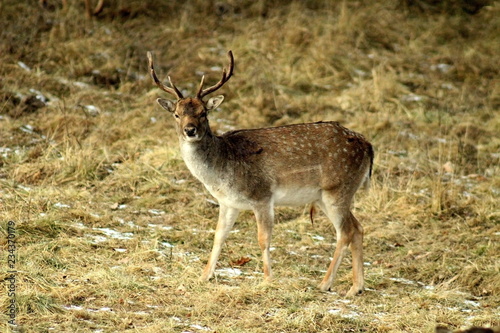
(113, 231)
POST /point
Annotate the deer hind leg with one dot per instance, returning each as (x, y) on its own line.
(349, 232)
(227, 217)
(357, 258)
(265, 221)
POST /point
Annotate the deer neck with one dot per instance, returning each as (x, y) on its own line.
(203, 157)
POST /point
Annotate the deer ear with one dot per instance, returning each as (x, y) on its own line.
(214, 102)
(166, 104)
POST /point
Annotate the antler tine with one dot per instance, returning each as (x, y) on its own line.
(177, 92)
(200, 88)
(225, 77)
(173, 91)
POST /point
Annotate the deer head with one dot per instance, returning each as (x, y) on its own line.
(191, 112)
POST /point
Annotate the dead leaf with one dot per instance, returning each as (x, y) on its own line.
(240, 262)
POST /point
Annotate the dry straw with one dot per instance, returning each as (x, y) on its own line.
(113, 231)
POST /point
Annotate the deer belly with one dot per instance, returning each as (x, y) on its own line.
(295, 196)
(229, 197)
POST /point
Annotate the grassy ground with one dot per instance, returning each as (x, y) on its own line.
(112, 231)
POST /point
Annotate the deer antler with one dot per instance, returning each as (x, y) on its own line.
(174, 91)
(225, 77)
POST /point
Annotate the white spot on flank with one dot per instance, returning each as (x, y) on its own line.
(294, 196)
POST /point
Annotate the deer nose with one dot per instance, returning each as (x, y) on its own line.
(190, 131)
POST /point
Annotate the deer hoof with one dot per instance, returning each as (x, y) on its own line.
(354, 291)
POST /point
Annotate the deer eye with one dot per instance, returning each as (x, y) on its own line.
(176, 116)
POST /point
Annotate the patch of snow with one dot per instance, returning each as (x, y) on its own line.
(5, 151)
(229, 272)
(413, 283)
(412, 98)
(81, 84)
(61, 205)
(25, 188)
(99, 239)
(443, 68)
(92, 110)
(104, 309)
(347, 315)
(199, 327)
(27, 129)
(472, 303)
(141, 313)
(72, 307)
(39, 96)
(448, 86)
(360, 72)
(156, 212)
(24, 66)
(115, 234)
(164, 227)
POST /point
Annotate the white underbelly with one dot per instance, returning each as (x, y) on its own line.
(281, 197)
(228, 197)
(294, 196)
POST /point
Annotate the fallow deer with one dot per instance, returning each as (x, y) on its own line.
(320, 163)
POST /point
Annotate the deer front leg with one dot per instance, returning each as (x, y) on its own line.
(265, 220)
(227, 217)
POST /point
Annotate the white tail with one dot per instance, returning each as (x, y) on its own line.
(318, 163)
